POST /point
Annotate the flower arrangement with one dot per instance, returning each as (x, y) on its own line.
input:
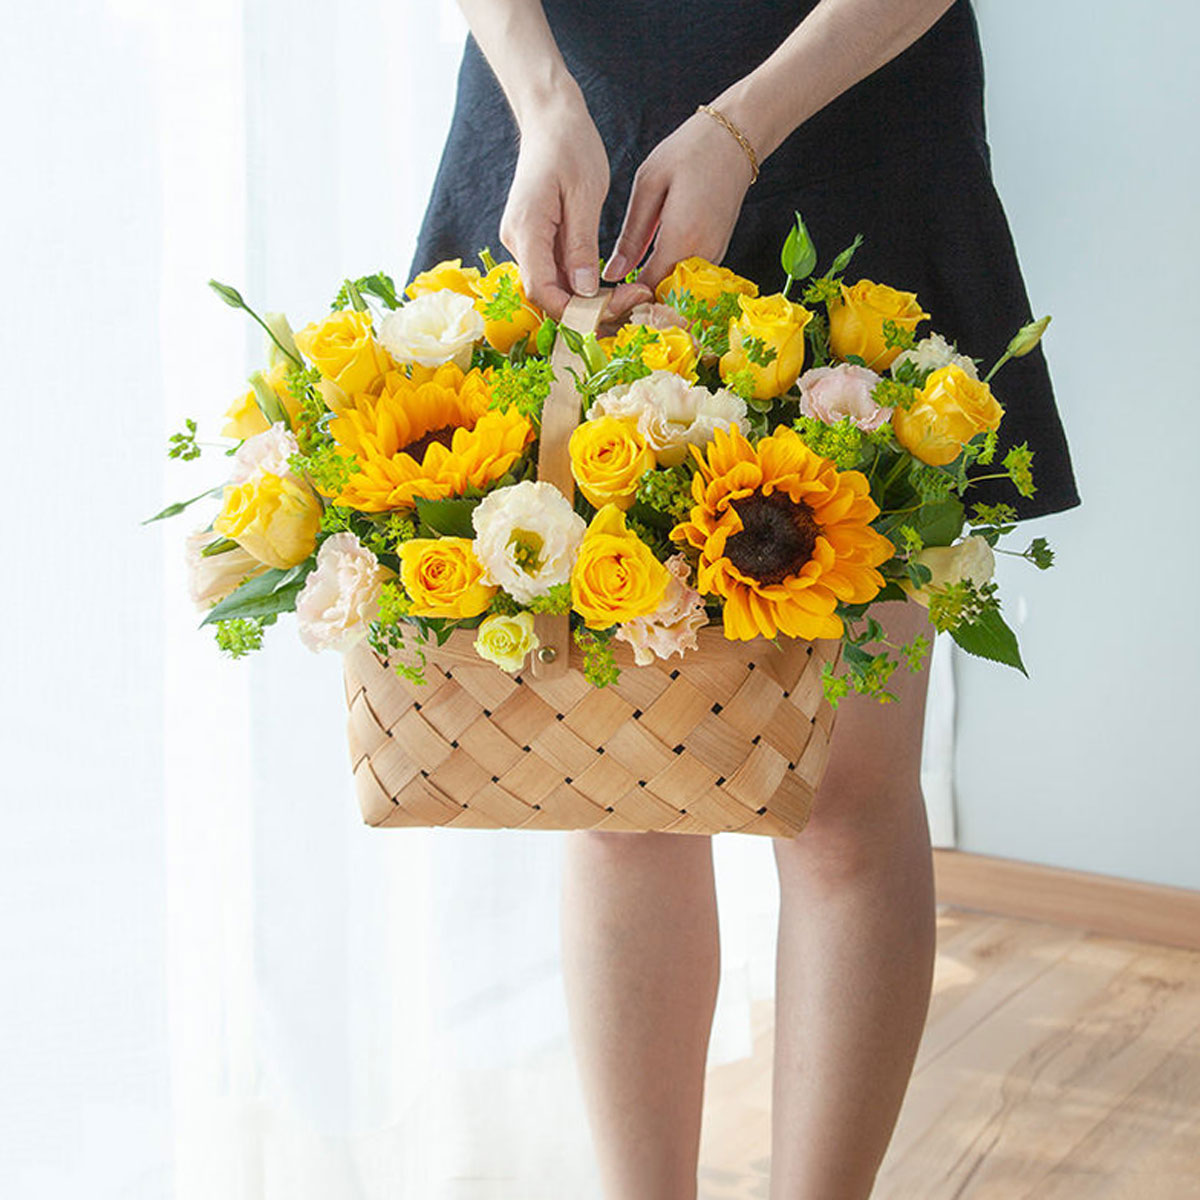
(775, 466)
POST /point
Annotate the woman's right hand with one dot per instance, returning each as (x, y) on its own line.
(551, 221)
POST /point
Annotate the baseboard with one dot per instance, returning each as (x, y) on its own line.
(1145, 912)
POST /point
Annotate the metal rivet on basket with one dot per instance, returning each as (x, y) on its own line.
(547, 654)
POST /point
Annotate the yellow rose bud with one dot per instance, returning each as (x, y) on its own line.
(945, 415)
(616, 576)
(608, 458)
(344, 350)
(671, 349)
(706, 281)
(447, 275)
(506, 641)
(503, 334)
(444, 578)
(771, 324)
(275, 518)
(856, 321)
(244, 418)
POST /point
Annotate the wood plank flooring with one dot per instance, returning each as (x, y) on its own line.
(1056, 1065)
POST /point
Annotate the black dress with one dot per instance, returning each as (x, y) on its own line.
(901, 158)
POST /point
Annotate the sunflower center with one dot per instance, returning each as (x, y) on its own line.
(442, 436)
(777, 538)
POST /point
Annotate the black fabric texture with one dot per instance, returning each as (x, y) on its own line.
(901, 157)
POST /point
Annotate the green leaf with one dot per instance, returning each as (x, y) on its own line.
(546, 333)
(989, 637)
(939, 523)
(220, 546)
(448, 518)
(799, 255)
(173, 510)
(274, 591)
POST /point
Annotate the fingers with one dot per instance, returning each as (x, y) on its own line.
(578, 240)
(685, 229)
(641, 219)
(529, 236)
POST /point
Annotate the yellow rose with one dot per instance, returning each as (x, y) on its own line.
(503, 335)
(244, 418)
(945, 415)
(856, 321)
(608, 458)
(506, 641)
(671, 350)
(706, 281)
(444, 578)
(344, 350)
(779, 325)
(616, 576)
(447, 275)
(275, 518)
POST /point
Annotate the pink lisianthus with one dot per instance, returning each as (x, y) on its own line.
(672, 627)
(657, 316)
(212, 578)
(831, 394)
(341, 597)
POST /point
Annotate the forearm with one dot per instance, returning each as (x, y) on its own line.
(520, 48)
(836, 45)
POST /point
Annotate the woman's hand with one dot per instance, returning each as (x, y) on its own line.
(690, 189)
(551, 220)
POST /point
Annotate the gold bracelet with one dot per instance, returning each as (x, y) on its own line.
(742, 139)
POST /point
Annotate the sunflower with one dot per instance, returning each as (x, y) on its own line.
(432, 435)
(783, 536)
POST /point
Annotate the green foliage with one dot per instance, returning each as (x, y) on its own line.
(503, 605)
(506, 302)
(960, 603)
(741, 383)
(547, 332)
(798, 256)
(557, 602)
(896, 337)
(1018, 463)
(993, 514)
(383, 534)
(446, 518)
(891, 393)
(844, 444)
(394, 603)
(183, 445)
(911, 540)
(599, 664)
(379, 285)
(817, 334)
(266, 595)
(915, 652)
(522, 386)
(173, 510)
(667, 491)
(708, 320)
(758, 352)
(821, 291)
(842, 261)
(988, 452)
(328, 470)
(931, 483)
(1040, 554)
(987, 636)
(240, 636)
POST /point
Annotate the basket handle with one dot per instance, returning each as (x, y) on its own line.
(560, 415)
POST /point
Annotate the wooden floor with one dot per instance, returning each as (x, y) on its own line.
(1056, 1065)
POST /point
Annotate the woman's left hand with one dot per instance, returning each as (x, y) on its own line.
(690, 189)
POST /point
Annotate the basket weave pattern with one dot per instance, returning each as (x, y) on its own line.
(732, 737)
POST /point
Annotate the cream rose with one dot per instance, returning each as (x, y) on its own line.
(672, 414)
(972, 559)
(340, 598)
(934, 352)
(831, 394)
(673, 626)
(526, 537)
(268, 452)
(506, 641)
(211, 579)
(434, 328)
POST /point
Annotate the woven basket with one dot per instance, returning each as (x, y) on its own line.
(732, 737)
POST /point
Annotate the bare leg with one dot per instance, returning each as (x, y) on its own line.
(857, 933)
(641, 963)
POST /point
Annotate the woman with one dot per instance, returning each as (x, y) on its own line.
(577, 131)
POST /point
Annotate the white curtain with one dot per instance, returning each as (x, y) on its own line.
(217, 982)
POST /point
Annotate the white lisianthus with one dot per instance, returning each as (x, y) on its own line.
(211, 579)
(972, 559)
(672, 414)
(267, 452)
(526, 537)
(934, 352)
(340, 598)
(435, 328)
(673, 626)
(506, 641)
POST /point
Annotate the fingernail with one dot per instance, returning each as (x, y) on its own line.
(616, 267)
(584, 281)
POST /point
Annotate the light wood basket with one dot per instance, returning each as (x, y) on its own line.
(732, 737)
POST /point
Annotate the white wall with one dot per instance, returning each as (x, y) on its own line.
(1091, 763)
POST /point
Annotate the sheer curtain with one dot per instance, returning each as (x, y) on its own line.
(218, 983)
